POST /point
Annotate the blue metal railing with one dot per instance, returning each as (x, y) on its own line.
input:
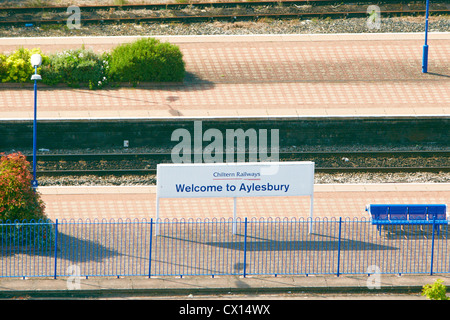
(281, 246)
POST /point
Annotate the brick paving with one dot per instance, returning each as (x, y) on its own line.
(346, 201)
(113, 249)
(294, 76)
(259, 77)
(313, 75)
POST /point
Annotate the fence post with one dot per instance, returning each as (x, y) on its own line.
(245, 247)
(432, 246)
(339, 246)
(150, 250)
(56, 246)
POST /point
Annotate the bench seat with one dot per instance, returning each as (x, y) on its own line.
(381, 214)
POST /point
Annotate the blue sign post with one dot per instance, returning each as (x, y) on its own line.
(425, 46)
(36, 61)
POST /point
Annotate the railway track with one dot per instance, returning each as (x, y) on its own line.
(326, 162)
(204, 4)
(198, 12)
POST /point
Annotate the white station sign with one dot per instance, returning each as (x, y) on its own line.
(235, 179)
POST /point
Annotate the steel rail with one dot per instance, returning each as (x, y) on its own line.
(330, 170)
(122, 156)
(185, 17)
(296, 155)
(230, 17)
(173, 6)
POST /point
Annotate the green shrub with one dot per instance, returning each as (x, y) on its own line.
(18, 200)
(22, 219)
(18, 65)
(3, 68)
(75, 68)
(436, 291)
(146, 60)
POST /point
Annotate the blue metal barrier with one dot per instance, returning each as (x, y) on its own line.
(281, 246)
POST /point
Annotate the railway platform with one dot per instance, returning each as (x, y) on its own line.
(293, 76)
(139, 202)
(331, 200)
(257, 76)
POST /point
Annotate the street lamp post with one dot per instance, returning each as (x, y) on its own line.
(36, 61)
(425, 46)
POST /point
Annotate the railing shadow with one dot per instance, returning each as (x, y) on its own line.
(74, 242)
(301, 245)
(439, 75)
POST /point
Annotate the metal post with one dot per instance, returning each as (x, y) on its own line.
(34, 183)
(311, 209)
(339, 246)
(425, 47)
(234, 215)
(56, 246)
(157, 216)
(150, 250)
(432, 246)
(245, 247)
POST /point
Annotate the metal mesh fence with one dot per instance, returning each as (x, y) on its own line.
(220, 247)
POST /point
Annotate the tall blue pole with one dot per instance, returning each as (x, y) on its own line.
(425, 46)
(150, 250)
(34, 183)
(56, 248)
(245, 248)
(432, 246)
(339, 247)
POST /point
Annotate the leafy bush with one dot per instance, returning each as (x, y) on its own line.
(75, 68)
(146, 60)
(18, 200)
(22, 217)
(436, 291)
(18, 66)
(3, 69)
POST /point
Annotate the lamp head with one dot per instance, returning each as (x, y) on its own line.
(36, 60)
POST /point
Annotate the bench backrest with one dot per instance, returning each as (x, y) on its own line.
(418, 213)
(392, 212)
(438, 212)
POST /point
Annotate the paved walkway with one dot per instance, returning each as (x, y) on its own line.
(334, 200)
(191, 287)
(253, 76)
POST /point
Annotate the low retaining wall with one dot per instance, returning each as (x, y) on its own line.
(55, 134)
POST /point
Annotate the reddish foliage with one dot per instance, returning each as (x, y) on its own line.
(18, 200)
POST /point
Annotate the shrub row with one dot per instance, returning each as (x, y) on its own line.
(145, 60)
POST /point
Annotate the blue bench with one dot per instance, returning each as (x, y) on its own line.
(401, 214)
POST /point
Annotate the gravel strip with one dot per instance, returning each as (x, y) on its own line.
(320, 178)
(321, 161)
(263, 26)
